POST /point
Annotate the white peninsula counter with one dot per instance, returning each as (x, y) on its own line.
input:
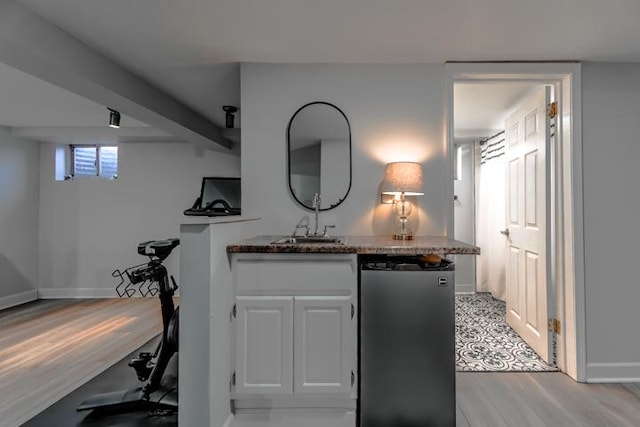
(205, 298)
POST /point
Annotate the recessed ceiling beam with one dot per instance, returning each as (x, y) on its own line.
(92, 135)
(35, 46)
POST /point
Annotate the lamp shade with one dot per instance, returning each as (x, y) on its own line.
(403, 177)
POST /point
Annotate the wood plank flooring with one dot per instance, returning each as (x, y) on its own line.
(48, 348)
(499, 399)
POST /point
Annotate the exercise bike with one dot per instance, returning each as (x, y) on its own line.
(154, 395)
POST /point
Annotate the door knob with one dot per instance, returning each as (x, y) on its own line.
(505, 232)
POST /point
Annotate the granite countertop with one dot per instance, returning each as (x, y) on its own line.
(362, 245)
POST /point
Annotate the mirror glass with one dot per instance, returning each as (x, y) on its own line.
(319, 144)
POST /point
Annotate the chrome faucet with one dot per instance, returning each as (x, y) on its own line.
(304, 223)
(316, 230)
(316, 206)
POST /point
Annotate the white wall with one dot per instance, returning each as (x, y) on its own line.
(88, 228)
(395, 112)
(611, 152)
(19, 170)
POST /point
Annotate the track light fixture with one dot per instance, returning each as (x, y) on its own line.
(229, 111)
(114, 118)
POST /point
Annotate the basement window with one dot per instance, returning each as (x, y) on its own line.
(93, 161)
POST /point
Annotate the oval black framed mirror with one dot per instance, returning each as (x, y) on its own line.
(319, 153)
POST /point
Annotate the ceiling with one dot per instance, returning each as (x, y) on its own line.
(35, 109)
(26, 101)
(150, 34)
(480, 109)
(191, 49)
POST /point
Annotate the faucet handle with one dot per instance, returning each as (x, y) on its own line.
(325, 229)
(306, 227)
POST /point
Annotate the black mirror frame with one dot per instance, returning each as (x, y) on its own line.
(289, 155)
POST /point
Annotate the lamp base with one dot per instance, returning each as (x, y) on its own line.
(403, 237)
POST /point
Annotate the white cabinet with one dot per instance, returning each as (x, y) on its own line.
(295, 331)
(264, 338)
(323, 349)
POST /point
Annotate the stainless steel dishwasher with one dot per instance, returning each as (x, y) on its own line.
(407, 343)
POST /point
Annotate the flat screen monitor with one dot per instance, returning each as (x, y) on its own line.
(227, 189)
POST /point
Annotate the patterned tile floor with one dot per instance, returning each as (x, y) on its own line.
(484, 341)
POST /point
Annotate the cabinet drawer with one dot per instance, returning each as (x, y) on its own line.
(295, 273)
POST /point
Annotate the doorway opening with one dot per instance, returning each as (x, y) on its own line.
(489, 314)
(541, 284)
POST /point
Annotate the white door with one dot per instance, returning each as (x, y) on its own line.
(527, 133)
(264, 345)
(324, 344)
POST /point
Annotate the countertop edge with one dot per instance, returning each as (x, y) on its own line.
(366, 246)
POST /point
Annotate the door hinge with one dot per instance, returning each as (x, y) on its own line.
(552, 110)
(554, 326)
(233, 379)
(232, 315)
(353, 378)
(353, 310)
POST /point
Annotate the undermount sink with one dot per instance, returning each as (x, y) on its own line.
(301, 240)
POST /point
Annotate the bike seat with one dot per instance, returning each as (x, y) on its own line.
(158, 248)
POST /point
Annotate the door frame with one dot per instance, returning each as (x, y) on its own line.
(467, 288)
(567, 249)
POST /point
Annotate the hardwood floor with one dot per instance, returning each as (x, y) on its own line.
(497, 399)
(50, 347)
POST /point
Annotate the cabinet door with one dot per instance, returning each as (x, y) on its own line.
(324, 344)
(264, 345)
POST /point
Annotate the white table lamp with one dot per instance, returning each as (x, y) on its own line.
(403, 179)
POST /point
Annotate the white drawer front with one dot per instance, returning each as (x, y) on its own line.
(294, 274)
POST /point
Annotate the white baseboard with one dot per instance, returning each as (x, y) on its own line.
(465, 289)
(56, 293)
(59, 293)
(613, 372)
(80, 293)
(17, 299)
